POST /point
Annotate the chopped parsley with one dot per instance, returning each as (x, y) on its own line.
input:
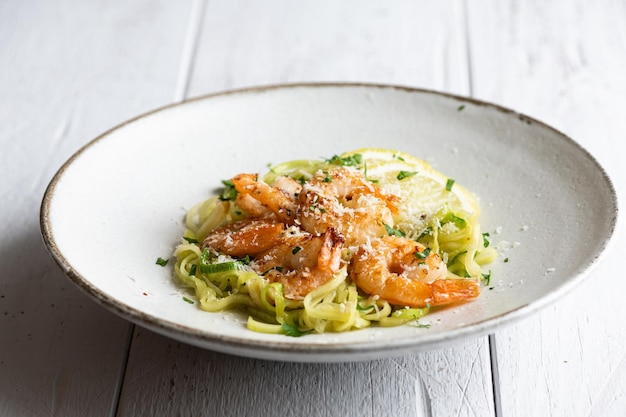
(314, 205)
(452, 218)
(352, 160)
(506, 260)
(190, 240)
(449, 184)
(423, 254)
(461, 107)
(487, 277)
(192, 270)
(374, 181)
(293, 331)
(187, 300)
(405, 174)
(485, 240)
(296, 249)
(161, 262)
(393, 232)
(229, 193)
(205, 260)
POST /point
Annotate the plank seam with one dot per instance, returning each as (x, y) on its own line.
(468, 47)
(122, 375)
(189, 49)
(493, 353)
(495, 375)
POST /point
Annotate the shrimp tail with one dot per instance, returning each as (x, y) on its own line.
(329, 258)
(246, 237)
(275, 199)
(446, 291)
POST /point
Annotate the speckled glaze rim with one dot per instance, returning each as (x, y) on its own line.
(334, 352)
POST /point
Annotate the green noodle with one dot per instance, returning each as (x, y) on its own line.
(336, 306)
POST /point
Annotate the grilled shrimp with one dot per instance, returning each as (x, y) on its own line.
(340, 198)
(301, 262)
(260, 199)
(402, 272)
(344, 199)
(345, 183)
(245, 237)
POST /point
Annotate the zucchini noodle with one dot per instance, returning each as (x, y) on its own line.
(220, 282)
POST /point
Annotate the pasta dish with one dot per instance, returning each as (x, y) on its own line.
(369, 237)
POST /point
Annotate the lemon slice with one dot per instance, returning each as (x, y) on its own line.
(423, 190)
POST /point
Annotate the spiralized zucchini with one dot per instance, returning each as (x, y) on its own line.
(220, 282)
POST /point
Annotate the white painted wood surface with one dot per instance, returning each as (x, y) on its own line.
(72, 69)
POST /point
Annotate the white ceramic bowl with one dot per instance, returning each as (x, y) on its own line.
(118, 204)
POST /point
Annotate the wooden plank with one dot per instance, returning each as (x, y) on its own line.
(70, 70)
(165, 377)
(248, 43)
(560, 62)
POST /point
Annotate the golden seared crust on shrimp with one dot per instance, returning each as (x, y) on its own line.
(342, 198)
(302, 262)
(345, 183)
(339, 198)
(402, 272)
(245, 237)
(279, 199)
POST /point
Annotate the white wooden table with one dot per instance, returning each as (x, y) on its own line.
(70, 69)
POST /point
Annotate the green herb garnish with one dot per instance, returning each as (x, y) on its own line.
(374, 181)
(393, 232)
(405, 174)
(449, 184)
(452, 218)
(187, 300)
(423, 254)
(296, 249)
(352, 160)
(293, 331)
(205, 259)
(487, 277)
(229, 193)
(485, 240)
(461, 107)
(190, 240)
(161, 262)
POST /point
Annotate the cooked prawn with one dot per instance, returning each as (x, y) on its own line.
(345, 183)
(245, 237)
(393, 269)
(301, 262)
(259, 198)
(342, 198)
